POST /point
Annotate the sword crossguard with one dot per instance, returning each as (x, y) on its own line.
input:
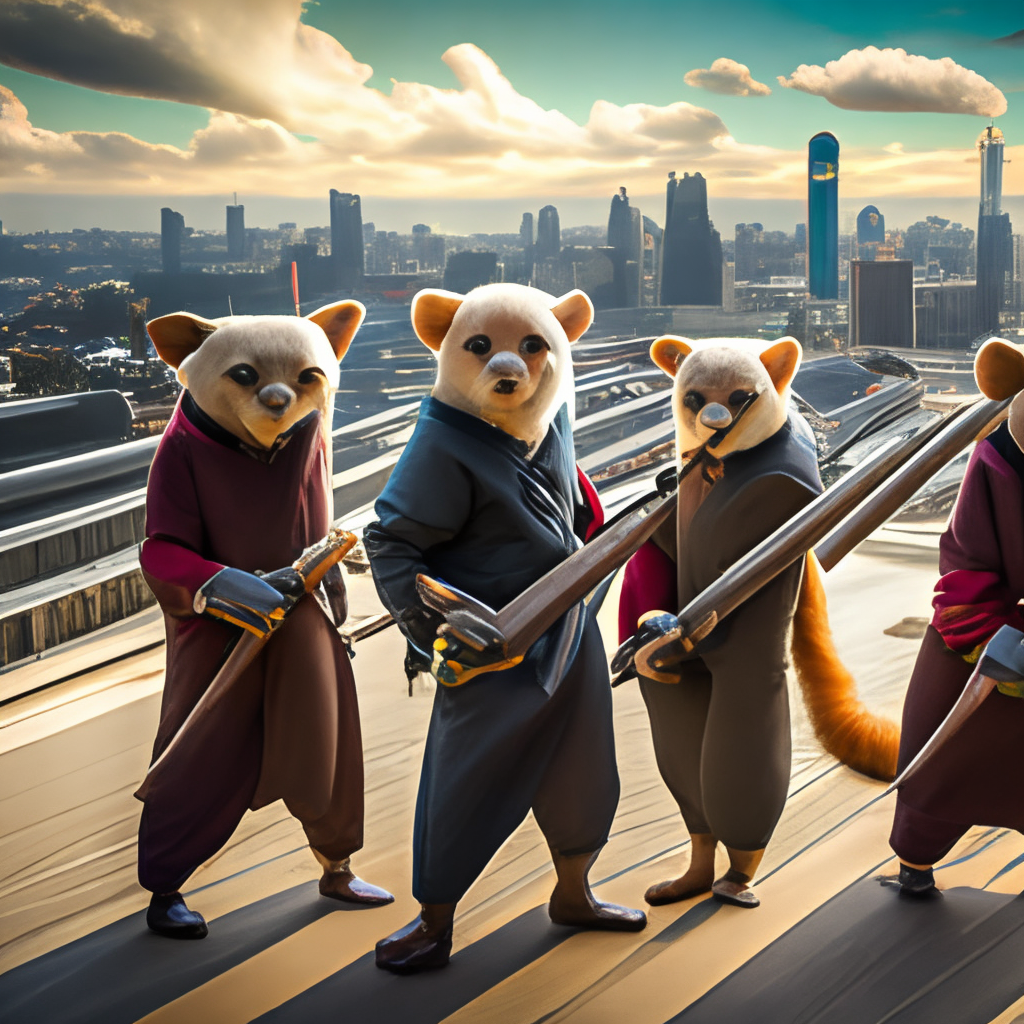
(456, 662)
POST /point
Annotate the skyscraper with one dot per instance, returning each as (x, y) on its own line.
(347, 238)
(236, 232)
(526, 240)
(626, 239)
(870, 232)
(995, 235)
(691, 263)
(172, 228)
(823, 216)
(549, 235)
(882, 303)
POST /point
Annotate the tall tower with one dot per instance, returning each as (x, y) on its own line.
(691, 263)
(347, 238)
(626, 238)
(823, 216)
(526, 240)
(549, 235)
(172, 228)
(236, 231)
(995, 235)
(870, 232)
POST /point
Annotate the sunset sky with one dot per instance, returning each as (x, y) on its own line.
(450, 102)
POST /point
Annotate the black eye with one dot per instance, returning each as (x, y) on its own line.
(694, 401)
(738, 397)
(243, 374)
(479, 345)
(532, 344)
(310, 375)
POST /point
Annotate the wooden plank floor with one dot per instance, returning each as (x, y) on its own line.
(74, 946)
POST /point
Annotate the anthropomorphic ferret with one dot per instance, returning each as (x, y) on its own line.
(241, 484)
(486, 497)
(721, 730)
(974, 778)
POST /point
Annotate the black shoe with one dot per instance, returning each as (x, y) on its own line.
(916, 881)
(168, 915)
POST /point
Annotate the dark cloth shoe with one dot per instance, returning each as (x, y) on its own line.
(167, 915)
(350, 888)
(916, 881)
(422, 945)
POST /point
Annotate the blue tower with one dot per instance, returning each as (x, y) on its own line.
(823, 216)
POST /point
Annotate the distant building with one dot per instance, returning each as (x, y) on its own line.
(236, 232)
(882, 303)
(626, 239)
(467, 270)
(653, 236)
(800, 237)
(995, 235)
(549, 235)
(691, 263)
(944, 314)
(823, 216)
(347, 239)
(870, 232)
(526, 241)
(172, 229)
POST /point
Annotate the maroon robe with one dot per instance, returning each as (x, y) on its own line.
(289, 729)
(974, 780)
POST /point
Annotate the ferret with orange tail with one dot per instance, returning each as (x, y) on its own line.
(721, 727)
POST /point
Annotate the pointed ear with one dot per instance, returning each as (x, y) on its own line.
(669, 352)
(782, 360)
(999, 369)
(178, 335)
(339, 322)
(575, 312)
(433, 311)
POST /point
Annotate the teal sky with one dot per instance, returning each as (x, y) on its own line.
(568, 53)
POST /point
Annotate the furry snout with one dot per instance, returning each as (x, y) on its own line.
(276, 397)
(715, 416)
(510, 370)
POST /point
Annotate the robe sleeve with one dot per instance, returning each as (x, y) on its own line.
(972, 598)
(170, 555)
(426, 503)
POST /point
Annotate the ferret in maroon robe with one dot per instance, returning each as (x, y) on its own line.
(289, 727)
(975, 778)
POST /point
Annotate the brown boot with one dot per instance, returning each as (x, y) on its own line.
(572, 903)
(695, 880)
(734, 886)
(339, 883)
(422, 945)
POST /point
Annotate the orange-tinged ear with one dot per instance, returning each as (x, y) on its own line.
(433, 311)
(575, 312)
(782, 360)
(999, 369)
(669, 352)
(339, 322)
(178, 335)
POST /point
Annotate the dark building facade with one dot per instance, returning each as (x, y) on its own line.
(549, 234)
(995, 235)
(347, 238)
(465, 271)
(870, 232)
(691, 261)
(882, 303)
(626, 240)
(823, 216)
(944, 314)
(172, 229)
(236, 232)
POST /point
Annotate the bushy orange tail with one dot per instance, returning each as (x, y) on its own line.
(844, 727)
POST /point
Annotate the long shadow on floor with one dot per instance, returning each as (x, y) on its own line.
(870, 955)
(362, 994)
(122, 972)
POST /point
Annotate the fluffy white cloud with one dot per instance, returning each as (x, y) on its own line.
(892, 79)
(728, 77)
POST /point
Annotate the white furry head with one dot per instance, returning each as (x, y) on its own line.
(257, 376)
(713, 377)
(503, 352)
(999, 371)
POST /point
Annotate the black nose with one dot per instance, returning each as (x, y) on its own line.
(505, 386)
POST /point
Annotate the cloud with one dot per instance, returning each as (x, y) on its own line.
(728, 77)
(894, 80)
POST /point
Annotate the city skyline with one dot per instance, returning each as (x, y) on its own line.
(541, 105)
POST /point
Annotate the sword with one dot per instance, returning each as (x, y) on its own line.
(917, 456)
(475, 638)
(312, 565)
(1002, 661)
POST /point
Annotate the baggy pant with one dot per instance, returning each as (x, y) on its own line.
(498, 747)
(260, 744)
